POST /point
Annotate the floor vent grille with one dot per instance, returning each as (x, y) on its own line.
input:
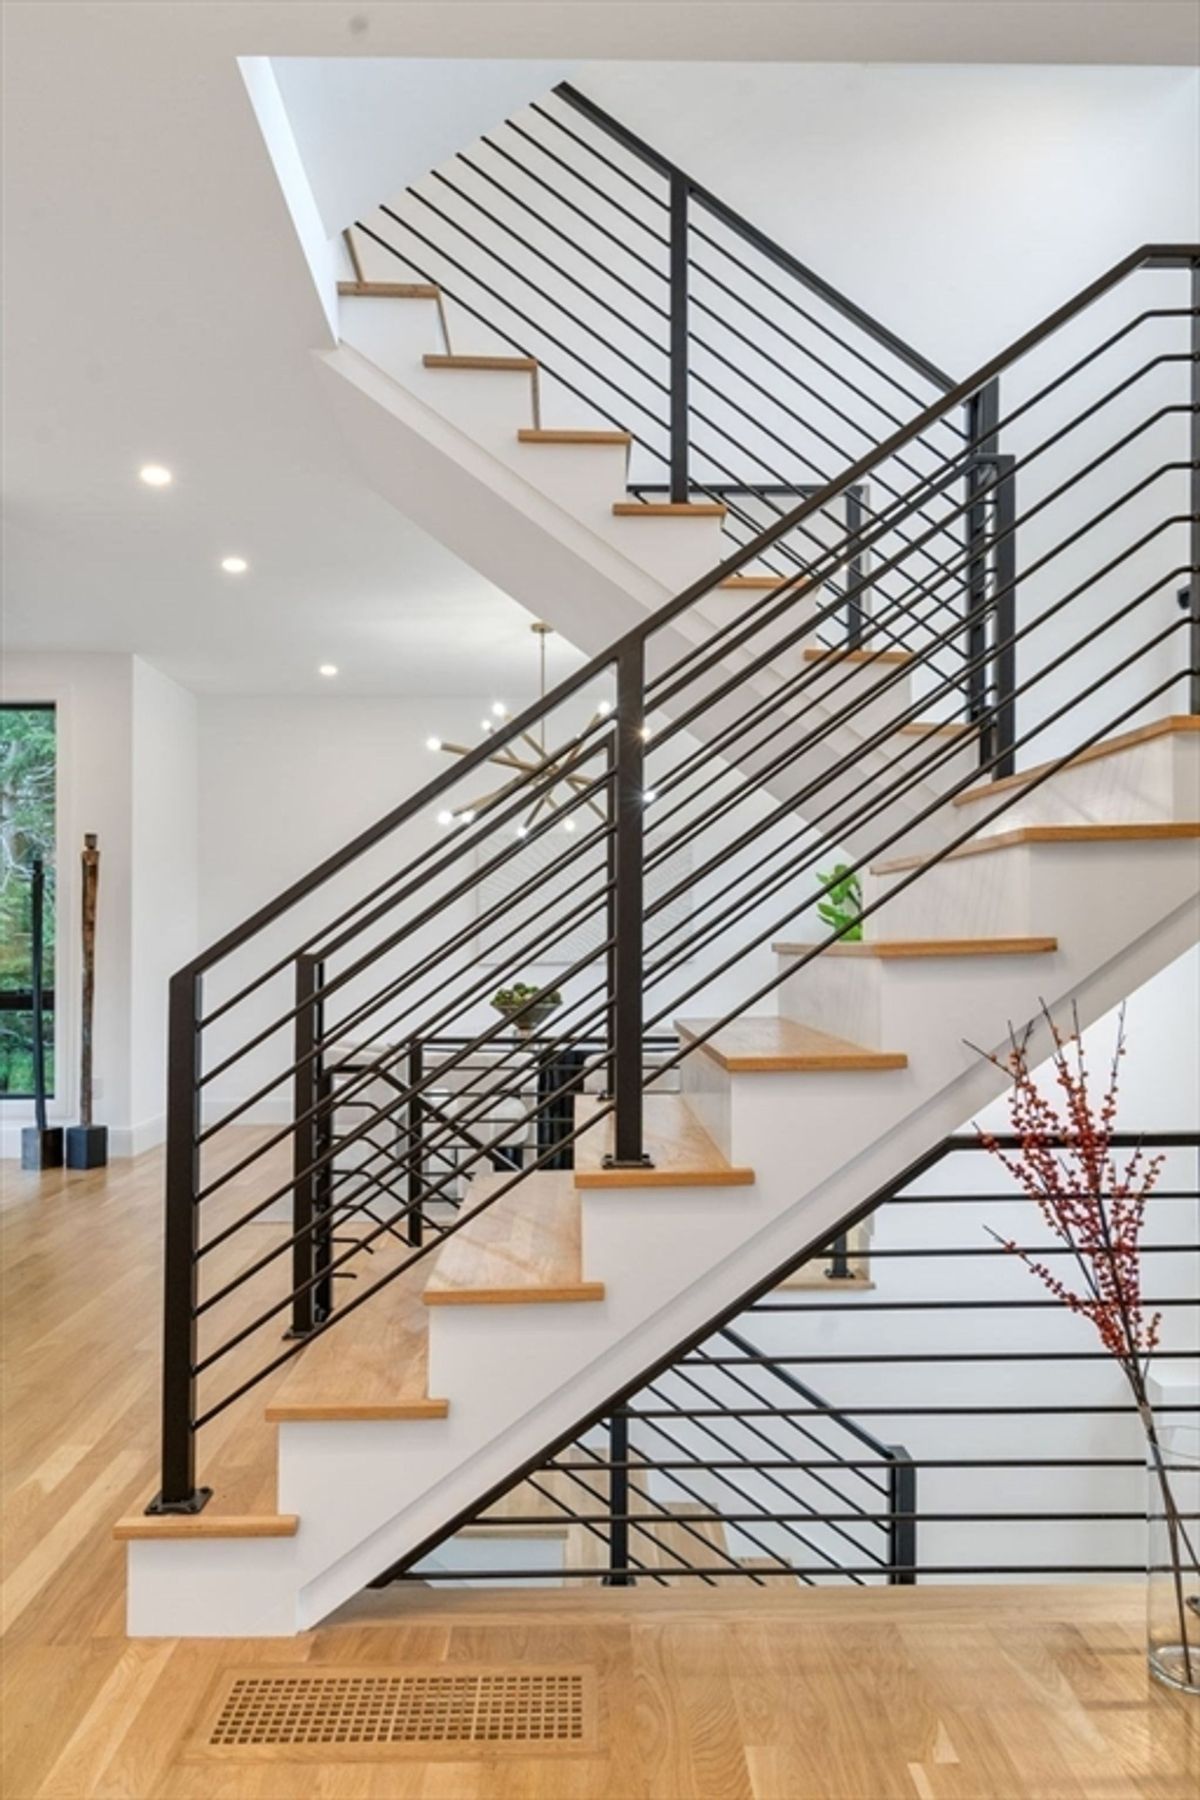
(400, 1709)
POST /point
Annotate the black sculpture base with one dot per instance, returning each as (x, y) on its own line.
(87, 1146)
(41, 1148)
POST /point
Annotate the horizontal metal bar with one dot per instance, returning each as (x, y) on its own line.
(790, 1572)
(987, 1410)
(773, 1362)
(718, 1516)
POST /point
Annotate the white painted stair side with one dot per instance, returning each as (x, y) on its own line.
(513, 532)
(369, 1492)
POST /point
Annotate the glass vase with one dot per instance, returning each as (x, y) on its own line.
(1173, 1577)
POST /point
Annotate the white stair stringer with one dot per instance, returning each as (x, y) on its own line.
(672, 1259)
(517, 513)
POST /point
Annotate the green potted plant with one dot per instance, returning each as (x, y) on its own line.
(528, 1007)
(842, 905)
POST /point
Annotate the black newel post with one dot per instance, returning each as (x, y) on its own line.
(179, 1492)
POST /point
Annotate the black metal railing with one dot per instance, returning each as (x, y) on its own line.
(727, 1463)
(742, 375)
(690, 788)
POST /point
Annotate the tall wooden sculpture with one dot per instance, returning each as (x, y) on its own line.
(87, 1144)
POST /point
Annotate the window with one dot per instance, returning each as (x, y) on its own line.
(27, 796)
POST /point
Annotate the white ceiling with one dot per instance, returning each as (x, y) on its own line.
(158, 308)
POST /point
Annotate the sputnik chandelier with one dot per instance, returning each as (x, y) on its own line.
(563, 783)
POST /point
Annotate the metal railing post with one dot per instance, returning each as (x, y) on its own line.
(902, 1526)
(179, 1493)
(839, 1259)
(414, 1127)
(627, 997)
(305, 1097)
(679, 335)
(619, 1572)
(855, 571)
(983, 412)
(1003, 666)
(1193, 636)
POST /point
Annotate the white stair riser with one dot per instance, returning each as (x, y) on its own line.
(676, 551)
(900, 1003)
(1158, 779)
(1031, 889)
(213, 1587)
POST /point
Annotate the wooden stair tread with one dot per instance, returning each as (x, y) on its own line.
(523, 1248)
(389, 290)
(680, 1150)
(1179, 724)
(669, 509)
(530, 434)
(371, 1365)
(1048, 834)
(823, 653)
(205, 1524)
(438, 360)
(759, 582)
(766, 1044)
(901, 949)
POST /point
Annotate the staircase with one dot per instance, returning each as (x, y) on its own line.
(595, 395)
(961, 668)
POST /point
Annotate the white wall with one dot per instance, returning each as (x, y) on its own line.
(126, 750)
(164, 887)
(367, 125)
(959, 203)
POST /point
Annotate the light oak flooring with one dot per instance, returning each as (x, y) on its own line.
(926, 1694)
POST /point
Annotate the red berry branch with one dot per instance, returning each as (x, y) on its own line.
(1095, 1206)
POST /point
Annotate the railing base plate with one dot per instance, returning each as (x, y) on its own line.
(196, 1501)
(636, 1162)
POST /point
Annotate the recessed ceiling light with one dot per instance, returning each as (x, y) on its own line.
(328, 669)
(154, 475)
(234, 565)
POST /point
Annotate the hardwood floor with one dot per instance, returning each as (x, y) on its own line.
(919, 1694)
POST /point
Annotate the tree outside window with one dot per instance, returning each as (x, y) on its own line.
(27, 830)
